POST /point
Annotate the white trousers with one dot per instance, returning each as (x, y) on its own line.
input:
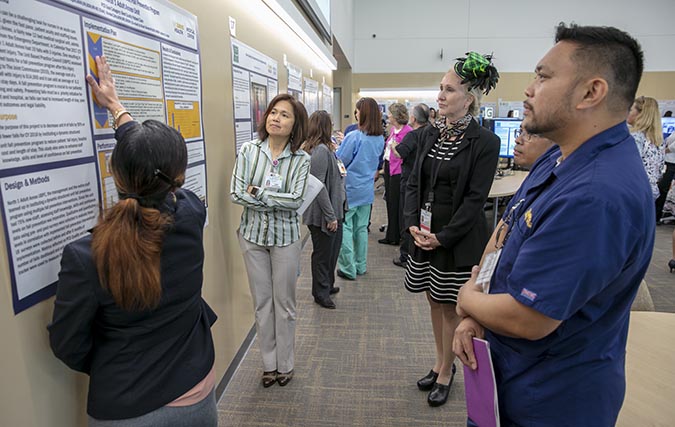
(272, 276)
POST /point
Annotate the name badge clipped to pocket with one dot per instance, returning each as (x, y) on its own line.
(488, 269)
(273, 182)
(425, 220)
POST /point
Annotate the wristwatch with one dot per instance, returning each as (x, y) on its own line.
(254, 190)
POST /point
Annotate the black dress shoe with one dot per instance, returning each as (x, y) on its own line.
(325, 302)
(427, 382)
(439, 393)
(334, 290)
(343, 275)
(387, 242)
(398, 262)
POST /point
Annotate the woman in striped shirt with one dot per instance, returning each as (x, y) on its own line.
(270, 180)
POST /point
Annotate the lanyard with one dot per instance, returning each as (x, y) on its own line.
(514, 213)
(435, 170)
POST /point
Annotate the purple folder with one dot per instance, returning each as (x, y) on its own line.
(480, 388)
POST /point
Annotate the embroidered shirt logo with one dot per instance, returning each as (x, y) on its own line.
(528, 294)
(528, 218)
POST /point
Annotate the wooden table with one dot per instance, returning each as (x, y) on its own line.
(650, 371)
(503, 186)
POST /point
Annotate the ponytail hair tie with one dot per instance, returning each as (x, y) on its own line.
(124, 196)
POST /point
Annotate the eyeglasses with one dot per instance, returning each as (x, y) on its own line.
(517, 133)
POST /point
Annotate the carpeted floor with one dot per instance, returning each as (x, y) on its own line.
(357, 365)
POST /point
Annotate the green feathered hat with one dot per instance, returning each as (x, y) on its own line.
(478, 71)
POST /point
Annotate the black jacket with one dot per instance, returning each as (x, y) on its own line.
(467, 232)
(407, 150)
(137, 361)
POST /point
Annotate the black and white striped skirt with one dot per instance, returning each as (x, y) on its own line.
(433, 272)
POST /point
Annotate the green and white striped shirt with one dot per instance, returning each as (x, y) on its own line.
(269, 217)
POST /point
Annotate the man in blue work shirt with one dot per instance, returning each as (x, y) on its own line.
(575, 243)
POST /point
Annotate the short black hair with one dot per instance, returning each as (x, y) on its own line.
(611, 51)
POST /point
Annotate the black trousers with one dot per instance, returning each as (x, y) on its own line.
(664, 186)
(393, 196)
(406, 238)
(325, 250)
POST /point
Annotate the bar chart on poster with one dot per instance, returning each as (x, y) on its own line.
(55, 142)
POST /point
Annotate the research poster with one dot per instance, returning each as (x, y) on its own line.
(327, 99)
(254, 84)
(55, 142)
(311, 95)
(295, 81)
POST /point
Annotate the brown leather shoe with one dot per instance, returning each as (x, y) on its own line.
(269, 378)
(284, 379)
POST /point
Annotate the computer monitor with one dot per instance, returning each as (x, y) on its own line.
(505, 130)
(668, 124)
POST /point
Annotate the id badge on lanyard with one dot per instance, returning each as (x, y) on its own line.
(341, 167)
(491, 260)
(273, 181)
(488, 269)
(425, 218)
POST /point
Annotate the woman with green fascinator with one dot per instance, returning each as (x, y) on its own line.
(447, 189)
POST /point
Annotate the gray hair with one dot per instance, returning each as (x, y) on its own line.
(399, 113)
(421, 113)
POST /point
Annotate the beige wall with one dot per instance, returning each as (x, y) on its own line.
(659, 85)
(343, 79)
(38, 390)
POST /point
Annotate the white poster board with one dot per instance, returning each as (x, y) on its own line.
(311, 95)
(327, 99)
(255, 83)
(295, 81)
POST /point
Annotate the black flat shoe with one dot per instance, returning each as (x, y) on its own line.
(398, 262)
(325, 303)
(284, 379)
(344, 276)
(427, 382)
(387, 242)
(671, 265)
(334, 290)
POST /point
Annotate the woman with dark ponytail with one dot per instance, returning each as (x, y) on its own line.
(128, 309)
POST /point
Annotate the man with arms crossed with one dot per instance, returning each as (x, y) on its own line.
(575, 243)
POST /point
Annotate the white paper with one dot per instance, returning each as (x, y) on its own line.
(314, 186)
